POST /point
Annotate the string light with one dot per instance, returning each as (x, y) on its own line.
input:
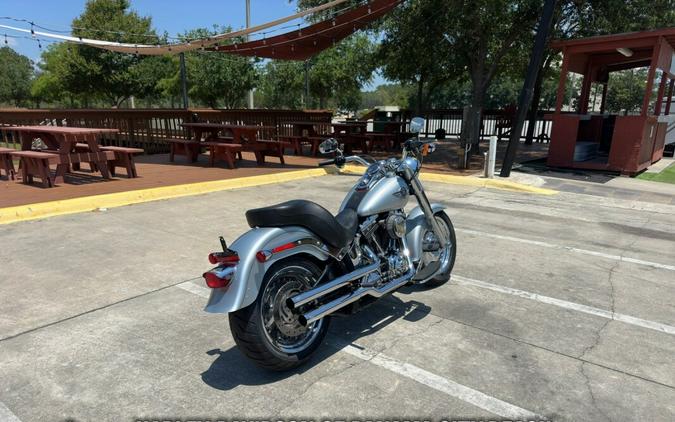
(6, 42)
(39, 44)
(32, 30)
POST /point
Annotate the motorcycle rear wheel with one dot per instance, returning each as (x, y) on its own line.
(266, 331)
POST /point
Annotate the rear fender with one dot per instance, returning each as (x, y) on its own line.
(245, 284)
(416, 226)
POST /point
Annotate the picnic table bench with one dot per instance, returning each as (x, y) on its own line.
(68, 147)
(245, 136)
(6, 163)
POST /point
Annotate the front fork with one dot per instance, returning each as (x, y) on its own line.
(423, 201)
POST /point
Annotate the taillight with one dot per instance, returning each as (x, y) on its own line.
(223, 258)
(219, 277)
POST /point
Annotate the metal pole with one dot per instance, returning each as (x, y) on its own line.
(248, 24)
(526, 93)
(492, 157)
(307, 105)
(183, 80)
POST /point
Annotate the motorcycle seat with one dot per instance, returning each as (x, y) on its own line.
(336, 231)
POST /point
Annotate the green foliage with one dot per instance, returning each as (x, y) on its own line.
(626, 90)
(108, 74)
(214, 79)
(281, 85)
(339, 72)
(15, 77)
(89, 74)
(387, 95)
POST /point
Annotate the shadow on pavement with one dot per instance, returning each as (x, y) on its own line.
(231, 368)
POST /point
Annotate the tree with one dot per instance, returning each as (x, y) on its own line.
(281, 84)
(214, 79)
(387, 94)
(339, 72)
(15, 78)
(626, 90)
(91, 74)
(414, 51)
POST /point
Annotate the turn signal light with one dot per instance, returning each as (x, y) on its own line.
(264, 255)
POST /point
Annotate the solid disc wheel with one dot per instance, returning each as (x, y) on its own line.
(266, 331)
(448, 252)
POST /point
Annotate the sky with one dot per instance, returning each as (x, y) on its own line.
(173, 16)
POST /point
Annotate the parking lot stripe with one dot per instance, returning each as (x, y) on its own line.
(6, 415)
(569, 248)
(444, 385)
(657, 326)
(193, 288)
(462, 392)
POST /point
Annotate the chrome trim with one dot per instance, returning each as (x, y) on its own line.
(323, 289)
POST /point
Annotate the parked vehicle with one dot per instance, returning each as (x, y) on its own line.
(281, 281)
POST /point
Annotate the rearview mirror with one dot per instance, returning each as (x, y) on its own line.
(417, 124)
(328, 146)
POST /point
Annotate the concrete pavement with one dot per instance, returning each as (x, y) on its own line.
(94, 326)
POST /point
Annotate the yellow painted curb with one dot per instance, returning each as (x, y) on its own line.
(469, 181)
(112, 200)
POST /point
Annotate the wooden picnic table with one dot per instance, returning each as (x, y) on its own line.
(305, 132)
(245, 136)
(351, 134)
(63, 141)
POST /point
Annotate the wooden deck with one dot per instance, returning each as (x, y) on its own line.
(153, 170)
(156, 171)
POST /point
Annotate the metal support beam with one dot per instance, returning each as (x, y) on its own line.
(307, 102)
(183, 80)
(248, 25)
(528, 87)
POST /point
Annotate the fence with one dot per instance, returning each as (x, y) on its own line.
(149, 129)
(451, 121)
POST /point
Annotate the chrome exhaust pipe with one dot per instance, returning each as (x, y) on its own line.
(342, 301)
(319, 291)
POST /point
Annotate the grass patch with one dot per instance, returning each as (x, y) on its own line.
(666, 176)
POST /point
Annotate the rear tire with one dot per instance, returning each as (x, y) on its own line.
(266, 331)
(444, 276)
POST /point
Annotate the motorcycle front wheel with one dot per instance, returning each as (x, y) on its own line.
(266, 331)
(448, 253)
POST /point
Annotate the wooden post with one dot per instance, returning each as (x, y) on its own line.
(560, 96)
(650, 76)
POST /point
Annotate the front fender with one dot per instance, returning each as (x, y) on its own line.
(416, 226)
(249, 273)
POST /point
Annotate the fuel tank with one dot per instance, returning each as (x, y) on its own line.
(387, 194)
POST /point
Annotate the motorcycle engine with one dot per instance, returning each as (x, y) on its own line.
(382, 239)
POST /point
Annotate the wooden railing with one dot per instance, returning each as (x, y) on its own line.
(149, 129)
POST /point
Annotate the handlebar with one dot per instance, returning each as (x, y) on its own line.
(341, 161)
(326, 162)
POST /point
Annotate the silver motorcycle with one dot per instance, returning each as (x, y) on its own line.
(298, 265)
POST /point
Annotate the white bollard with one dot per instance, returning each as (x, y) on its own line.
(492, 157)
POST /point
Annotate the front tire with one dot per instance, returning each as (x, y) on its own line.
(266, 331)
(450, 253)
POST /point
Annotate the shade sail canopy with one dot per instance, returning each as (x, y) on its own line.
(157, 50)
(311, 40)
